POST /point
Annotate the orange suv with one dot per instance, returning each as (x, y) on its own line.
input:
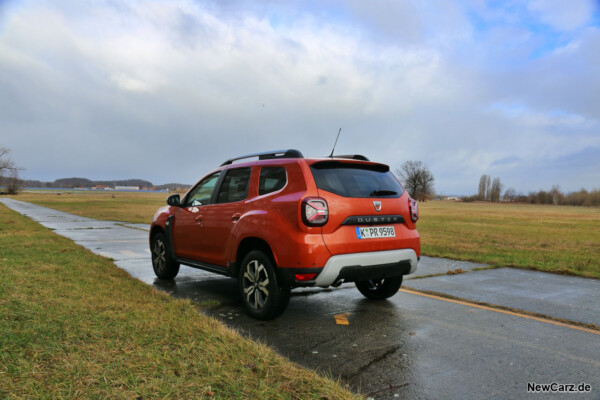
(286, 221)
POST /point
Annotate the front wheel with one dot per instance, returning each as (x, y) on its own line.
(379, 289)
(162, 262)
(263, 295)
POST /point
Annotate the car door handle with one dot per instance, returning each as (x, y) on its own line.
(235, 217)
(200, 219)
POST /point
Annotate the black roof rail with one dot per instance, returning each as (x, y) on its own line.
(290, 153)
(353, 157)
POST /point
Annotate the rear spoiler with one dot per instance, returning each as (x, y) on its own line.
(333, 163)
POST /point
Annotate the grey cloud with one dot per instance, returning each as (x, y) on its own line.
(506, 161)
(168, 94)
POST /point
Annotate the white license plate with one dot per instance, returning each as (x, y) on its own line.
(375, 232)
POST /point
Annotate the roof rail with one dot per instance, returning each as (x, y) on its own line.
(290, 153)
(353, 157)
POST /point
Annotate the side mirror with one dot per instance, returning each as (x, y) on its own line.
(173, 200)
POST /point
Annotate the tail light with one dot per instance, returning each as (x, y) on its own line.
(304, 277)
(414, 209)
(314, 211)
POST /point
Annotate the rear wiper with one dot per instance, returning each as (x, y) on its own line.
(383, 192)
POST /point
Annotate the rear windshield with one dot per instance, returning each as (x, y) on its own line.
(356, 180)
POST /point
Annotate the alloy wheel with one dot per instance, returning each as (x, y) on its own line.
(255, 284)
(159, 255)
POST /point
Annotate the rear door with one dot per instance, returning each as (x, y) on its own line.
(368, 207)
(219, 219)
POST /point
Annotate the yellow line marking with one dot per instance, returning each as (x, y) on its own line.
(342, 319)
(125, 241)
(129, 253)
(498, 310)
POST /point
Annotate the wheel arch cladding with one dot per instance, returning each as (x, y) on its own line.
(247, 245)
(155, 229)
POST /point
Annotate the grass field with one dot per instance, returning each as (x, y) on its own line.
(115, 206)
(559, 239)
(73, 325)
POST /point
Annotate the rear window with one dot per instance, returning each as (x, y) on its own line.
(356, 180)
(271, 179)
(235, 186)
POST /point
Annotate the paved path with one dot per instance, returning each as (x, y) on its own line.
(125, 243)
(411, 346)
(563, 297)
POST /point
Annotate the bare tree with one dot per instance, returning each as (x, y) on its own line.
(488, 188)
(417, 178)
(496, 190)
(482, 187)
(5, 162)
(557, 196)
(510, 194)
(9, 173)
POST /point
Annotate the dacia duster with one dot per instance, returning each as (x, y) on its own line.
(285, 221)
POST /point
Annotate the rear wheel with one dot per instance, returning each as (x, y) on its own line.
(162, 262)
(379, 289)
(263, 295)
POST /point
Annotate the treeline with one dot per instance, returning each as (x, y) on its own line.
(71, 183)
(555, 196)
(492, 190)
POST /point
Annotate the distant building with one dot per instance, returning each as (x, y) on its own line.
(100, 187)
(127, 188)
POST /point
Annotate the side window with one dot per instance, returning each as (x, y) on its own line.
(271, 179)
(235, 186)
(200, 195)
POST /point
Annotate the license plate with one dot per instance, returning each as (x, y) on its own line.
(375, 232)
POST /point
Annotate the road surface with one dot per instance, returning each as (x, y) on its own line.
(533, 328)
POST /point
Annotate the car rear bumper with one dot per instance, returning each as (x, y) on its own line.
(369, 265)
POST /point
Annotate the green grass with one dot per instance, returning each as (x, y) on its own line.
(73, 325)
(115, 206)
(558, 239)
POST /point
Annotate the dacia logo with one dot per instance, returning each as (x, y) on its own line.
(377, 205)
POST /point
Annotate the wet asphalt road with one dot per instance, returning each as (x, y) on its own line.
(411, 346)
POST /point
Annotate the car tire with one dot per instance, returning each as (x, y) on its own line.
(379, 289)
(263, 294)
(162, 261)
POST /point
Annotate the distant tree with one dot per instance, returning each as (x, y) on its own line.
(418, 179)
(5, 162)
(488, 188)
(577, 198)
(9, 173)
(557, 196)
(510, 194)
(496, 190)
(73, 183)
(482, 187)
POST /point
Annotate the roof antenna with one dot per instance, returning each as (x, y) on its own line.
(336, 139)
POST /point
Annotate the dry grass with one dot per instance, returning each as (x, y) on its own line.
(73, 325)
(110, 206)
(558, 239)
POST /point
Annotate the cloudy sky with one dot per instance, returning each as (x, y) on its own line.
(166, 90)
